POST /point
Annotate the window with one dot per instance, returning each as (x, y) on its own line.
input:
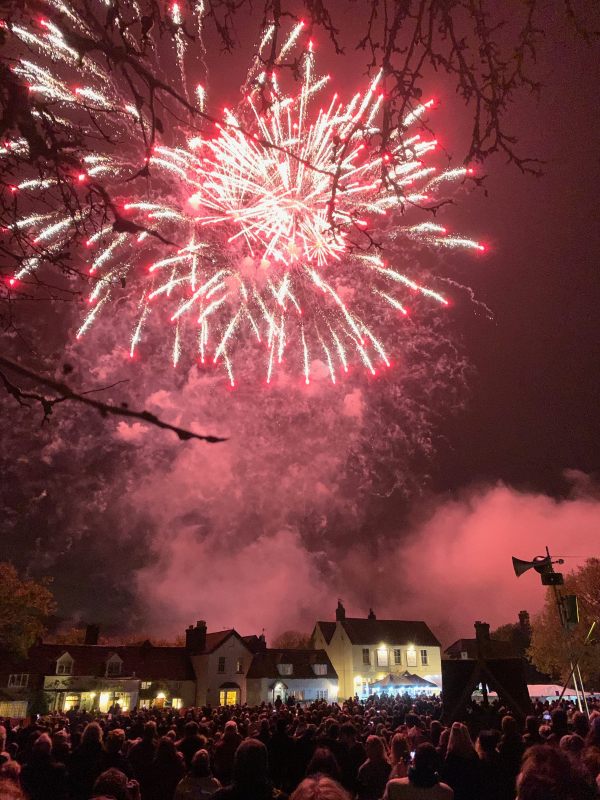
(145, 684)
(228, 697)
(366, 656)
(176, 702)
(239, 667)
(320, 669)
(411, 657)
(464, 655)
(321, 694)
(18, 680)
(221, 668)
(64, 665)
(424, 661)
(382, 657)
(397, 656)
(285, 669)
(114, 667)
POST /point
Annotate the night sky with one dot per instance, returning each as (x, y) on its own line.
(166, 533)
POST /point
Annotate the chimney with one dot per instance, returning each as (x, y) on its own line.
(371, 614)
(340, 612)
(482, 632)
(524, 622)
(92, 632)
(195, 638)
(262, 641)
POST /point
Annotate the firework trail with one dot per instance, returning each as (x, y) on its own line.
(258, 224)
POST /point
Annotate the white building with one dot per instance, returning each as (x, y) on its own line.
(371, 654)
(304, 675)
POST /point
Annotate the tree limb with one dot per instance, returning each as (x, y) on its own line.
(64, 392)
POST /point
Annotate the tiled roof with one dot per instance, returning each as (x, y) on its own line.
(145, 661)
(491, 648)
(327, 629)
(264, 665)
(388, 631)
(216, 639)
(254, 643)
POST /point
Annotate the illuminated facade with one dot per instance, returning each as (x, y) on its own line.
(302, 675)
(383, 656)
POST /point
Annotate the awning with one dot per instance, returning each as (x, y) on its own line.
(405, 680)
(278, 685)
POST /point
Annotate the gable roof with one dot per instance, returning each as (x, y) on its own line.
(327, 629)
(264, 665)
(390, 631)
(144, 661)
(491, 648)
(217, 638)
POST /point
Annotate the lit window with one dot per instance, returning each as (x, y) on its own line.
(382, 657)
(397, 656)
(239, 667)
(145, 684)
(285, 669)
(411, 658)
(320, 669)
(228, 697)
(18, 680)
(177, 702)
(424, 661)
(321, 694)
(366, 656)
(221, 666)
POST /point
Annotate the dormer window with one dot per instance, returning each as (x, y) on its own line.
(114, 665)
(285, 669)
(64, 665)
(320, 669)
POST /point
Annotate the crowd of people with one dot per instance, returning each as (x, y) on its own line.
(387, 748)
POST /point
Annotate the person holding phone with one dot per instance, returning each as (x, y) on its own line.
(422, 781)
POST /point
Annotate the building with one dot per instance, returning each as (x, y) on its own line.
(209, 670)
(221, 661)
(304, 675)
(92, 676)
(365, 652)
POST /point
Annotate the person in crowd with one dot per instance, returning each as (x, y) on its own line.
(224, 753)
(399, 756)
(199, 782)
(490, 767)
(86, 762)
(141, 757)
(166, 771)
(10, 790)
(113, 753)
(191, 742)
(320, 787)
(548, 773)
(375, 772)
(251, 779)
(42, 777)
(280, 751)
(324, 762)
(460, 769)
(532, 732)
(510, 750)
(114, 784)
(422, 781)
(351, 756)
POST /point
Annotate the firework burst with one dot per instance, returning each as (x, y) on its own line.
(269, 223)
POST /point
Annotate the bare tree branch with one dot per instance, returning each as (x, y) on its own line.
(63, 393)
